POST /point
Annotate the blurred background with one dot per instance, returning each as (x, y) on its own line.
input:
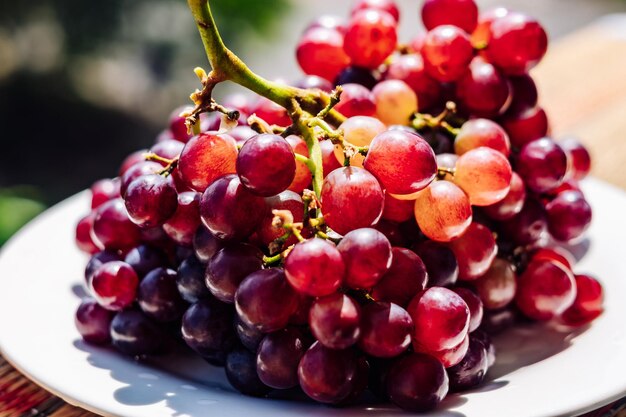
(82, 84)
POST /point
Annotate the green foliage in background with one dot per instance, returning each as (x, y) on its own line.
(17, 207)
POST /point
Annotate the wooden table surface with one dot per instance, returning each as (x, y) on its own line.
(582, 85)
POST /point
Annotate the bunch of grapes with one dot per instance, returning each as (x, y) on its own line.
(438, 222)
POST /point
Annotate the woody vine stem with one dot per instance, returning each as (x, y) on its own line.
(304, 106)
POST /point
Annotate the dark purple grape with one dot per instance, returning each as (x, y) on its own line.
(524, 96)
(144, 259)
(528, 226)
(135, 334)
(417, 382)
(158, 296)
(96, 261)
(151, 200)
(328, 375)
(482, 337)
(542, 164)
(278, 356)
(190, 281)
(367, 255)
(207, 327)
(441, 264)
(229, 266)
(93, 322)
(569, 216)
(266, 300)
(242, 375)
(406, 277)
(249, 336)
(496, 321)
(229, 210)
(471, 371)
(266, 164)
(205, 245)
(356, 75)
(386, 329)
(112, 227)
(483, 90)
(334, 321)
(182, 225)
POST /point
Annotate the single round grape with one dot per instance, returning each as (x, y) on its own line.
(588, 304)
(83, 235)
(315, 267)
(484, 174)
(329, 160)
(177, 126)
(96, 261)
(249, 336)
(461, 13)
(482, 132)
(229, 210)
(266, 165)
(205, 158)
(471, 371)
(158, 296)
(356, 100)
(320, 52)
(417, 382)
(327, 375)
(410, 69)
(112, 227)
(302, 179)
(441, 264)
(542, 164)
(395, 102)
(358, 131)
(443, 211)
(103, 191)
(578, 156)
(356, 75)
(242, 374)
(497, 287)
(93, 322)
(229, 266)
(516, 43)
(480, 35)
(474, 304)
(371, 37)
(475, 250)
(207, 327)
(441, 319)
(287, 200)
(134, 334)
(145, 258)
(278, 356)
(545, 290)
(205, 244)
(447, 53)
(114, 285)
(403, 162)
(334, 321)
(525, 127)
(511, 204)
(266, 300)
(528, 226)
(397, 210)
(367, 255)
(388, 6)
(525, 94)
(406, 277)
(351, 198)
(151, 200)
(386, 329)
(483, 91)
(190, 280)
(182, 225)
(569, 216)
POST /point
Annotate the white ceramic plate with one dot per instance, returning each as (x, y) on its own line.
(539, 372)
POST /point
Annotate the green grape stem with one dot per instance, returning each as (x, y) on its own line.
(226, 66)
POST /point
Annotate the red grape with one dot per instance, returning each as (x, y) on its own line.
(178, 129)
(205, 158)
(545, 290)
(410, 69)
(386, 329)
(358, 131)
(371, 37)
(112, 228)
(542, 164)
(482, 132)
(588, 303)
(356, 100)
(395, 102)
(93, 322)
(388, 6)
(229, 266)
(287, 200)
(397, 210)
(151, 200)
(511, 204)
(475, 250)
(480, 35)
(525, 95)
(182, 225)
(497, 287)
(315, 267)
(367, 255)
(278, 356)
(528, 226)
(447, 53)
(555, 254)
(272, 113)
(525, 127)
(474, 304)
(441, 264)
(461, 13)
(334, 321)
(114, 285)
(83, 238)
(320, 52)
(569, 216)
(406, 277)
(578, 156)
(302, 179)
(104, 190)
(483, 91)
(471, 371)
(484, 174)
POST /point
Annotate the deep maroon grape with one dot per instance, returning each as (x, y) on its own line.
(542, 164)
(103, 191)
(242, 374)
(112, 227)
(229, 210)
(114, 285)
(144, 259)
(93, 322)
(525, 95)
(483, 91)
(83, 237)
(356, 75)
(528, 226)
(569, 216)
(135, 334)
(417, 382)
(266, 300)
(229, 266)
(386, 329)
(190, 281)
(441, 264)
(278, 356)
(334, 321)
(158, 296)
(249, 336)
(406, 277)
(205, 244)
(474, 304)
(367, 256)
(182, 225)
(207, 327)
(151, 200)
(471, 371)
